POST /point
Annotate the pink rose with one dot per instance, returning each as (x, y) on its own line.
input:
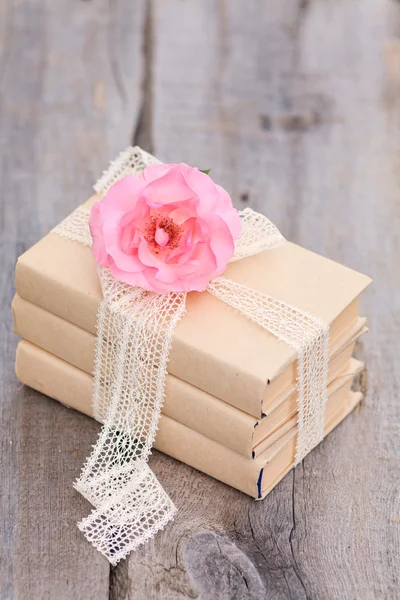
(171, 229)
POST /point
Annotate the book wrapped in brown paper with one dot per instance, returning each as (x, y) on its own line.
(73, 387)
(187, 404)
(158, 232)
(214, 348)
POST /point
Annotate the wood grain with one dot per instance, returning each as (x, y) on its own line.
(70, 83)
(295, 107)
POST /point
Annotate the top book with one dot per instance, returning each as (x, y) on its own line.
(214, 347)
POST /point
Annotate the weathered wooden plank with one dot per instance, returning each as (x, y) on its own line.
(294, 105)
(284, 102)
(353, 183)
(70, 92)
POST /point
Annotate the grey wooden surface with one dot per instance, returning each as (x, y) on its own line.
(295, 106)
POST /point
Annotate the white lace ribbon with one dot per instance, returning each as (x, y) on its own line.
(134, 336)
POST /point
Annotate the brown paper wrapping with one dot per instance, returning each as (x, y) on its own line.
(73, 387)
(185, 403)
(214, 347)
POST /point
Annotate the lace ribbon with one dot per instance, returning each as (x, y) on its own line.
(134, 335)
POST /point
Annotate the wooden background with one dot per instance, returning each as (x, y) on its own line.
(295, 104)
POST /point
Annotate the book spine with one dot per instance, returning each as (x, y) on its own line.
(67, 297)
(72, 387)
(185, 403)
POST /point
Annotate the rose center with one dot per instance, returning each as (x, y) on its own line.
(161, 237)
(161, 232)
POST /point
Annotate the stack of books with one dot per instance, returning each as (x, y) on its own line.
(231, 405)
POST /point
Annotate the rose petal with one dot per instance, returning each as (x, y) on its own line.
(170, 188)
(221, 243)
(156, 171)
(122, 195)
(138, 279)
(96, 230)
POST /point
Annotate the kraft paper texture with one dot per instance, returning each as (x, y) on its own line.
(214, 348)
(185, 403)
(73, 387)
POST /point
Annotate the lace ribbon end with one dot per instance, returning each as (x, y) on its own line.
(112, 543)
(128, 519)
